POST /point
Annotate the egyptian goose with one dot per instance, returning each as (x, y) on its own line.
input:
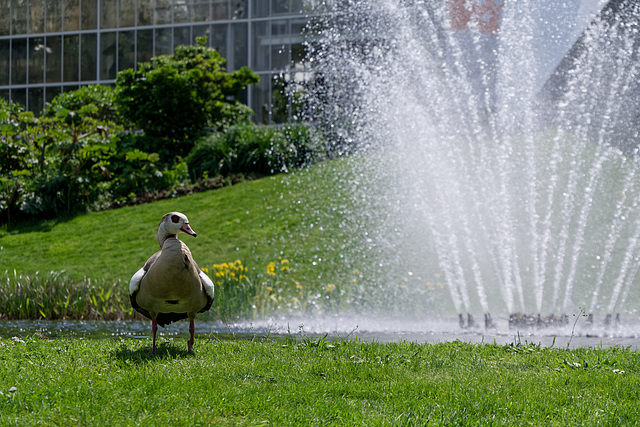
(170, 286)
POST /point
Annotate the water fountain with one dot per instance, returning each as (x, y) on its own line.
(500, 139)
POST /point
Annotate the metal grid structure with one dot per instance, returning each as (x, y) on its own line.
(52, 46)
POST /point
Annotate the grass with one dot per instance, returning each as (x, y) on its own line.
(313, 381)
(305, 218)
(257, 221)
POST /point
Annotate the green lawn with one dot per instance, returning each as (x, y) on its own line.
(309, 220)
(301, 216)
(267, 381)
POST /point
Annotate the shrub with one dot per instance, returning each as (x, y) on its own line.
(255, 150)
(176, 96)
(102, 97)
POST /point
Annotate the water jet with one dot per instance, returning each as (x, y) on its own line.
(497, 149)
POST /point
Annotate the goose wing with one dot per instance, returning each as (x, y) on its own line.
(134, 283)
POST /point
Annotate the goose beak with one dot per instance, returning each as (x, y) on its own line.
(187, 229)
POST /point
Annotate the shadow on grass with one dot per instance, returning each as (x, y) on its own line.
(142, 354)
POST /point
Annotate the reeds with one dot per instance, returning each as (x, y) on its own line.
(59, 295)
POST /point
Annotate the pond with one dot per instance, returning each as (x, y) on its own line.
(339, 328)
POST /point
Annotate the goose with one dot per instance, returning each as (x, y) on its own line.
(171, 286)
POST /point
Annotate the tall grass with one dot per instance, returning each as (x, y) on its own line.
(240, 293)
(57, 295)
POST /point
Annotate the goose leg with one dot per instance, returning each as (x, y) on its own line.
(192, 329)
(154, 329)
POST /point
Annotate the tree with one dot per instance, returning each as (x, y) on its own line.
(175, 96)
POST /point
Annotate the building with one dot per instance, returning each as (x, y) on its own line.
(53, 46)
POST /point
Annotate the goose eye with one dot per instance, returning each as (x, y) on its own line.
(175, 219)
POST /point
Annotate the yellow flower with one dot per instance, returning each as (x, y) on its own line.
(356, 272)
(271, 269)
(331, 287)
(206, 270)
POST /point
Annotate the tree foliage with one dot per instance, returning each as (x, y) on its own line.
(51, 165)
(175, 96)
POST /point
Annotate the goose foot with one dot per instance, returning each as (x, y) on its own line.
(192, 330)
(154, 329)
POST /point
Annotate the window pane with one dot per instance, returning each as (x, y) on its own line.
(219, 38)
(261, 100)
(70, 58)
(88, 66)
(202, 30)
(19, 62)
(18, 16)
(71, 15)
(36, 99)
(5, 46)
(279, 45)
(108, 9)
(19, 96)
(163, 11)
(127, 13)
(239, 9)
(70, 88)
(200, 11)
(145, 45)
(239, 43)
(5, 18)
(108, 56)
(220, 9)
(280, 108)
(54, 15)
(298, 50)
(51, 92)
(163, 41)
(36, 16)
(89, 14)
(260, 46)
(36, 60)
(280, 6)
(54, 59)
(181, 36)
(126, 52)
(145, 12)
(260, 8)
(181, 11)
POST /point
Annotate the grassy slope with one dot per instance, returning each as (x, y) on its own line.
(256, 222)
(313, 382)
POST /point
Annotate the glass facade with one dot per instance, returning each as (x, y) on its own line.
(51, 46)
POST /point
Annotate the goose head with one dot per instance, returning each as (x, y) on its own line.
(172, 224)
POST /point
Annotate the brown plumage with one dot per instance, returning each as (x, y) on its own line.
(171, 286)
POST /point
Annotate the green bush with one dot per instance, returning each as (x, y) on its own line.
(176, 96)
(102, 97)
(73, 159)
(137, 172)
(255, 150)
